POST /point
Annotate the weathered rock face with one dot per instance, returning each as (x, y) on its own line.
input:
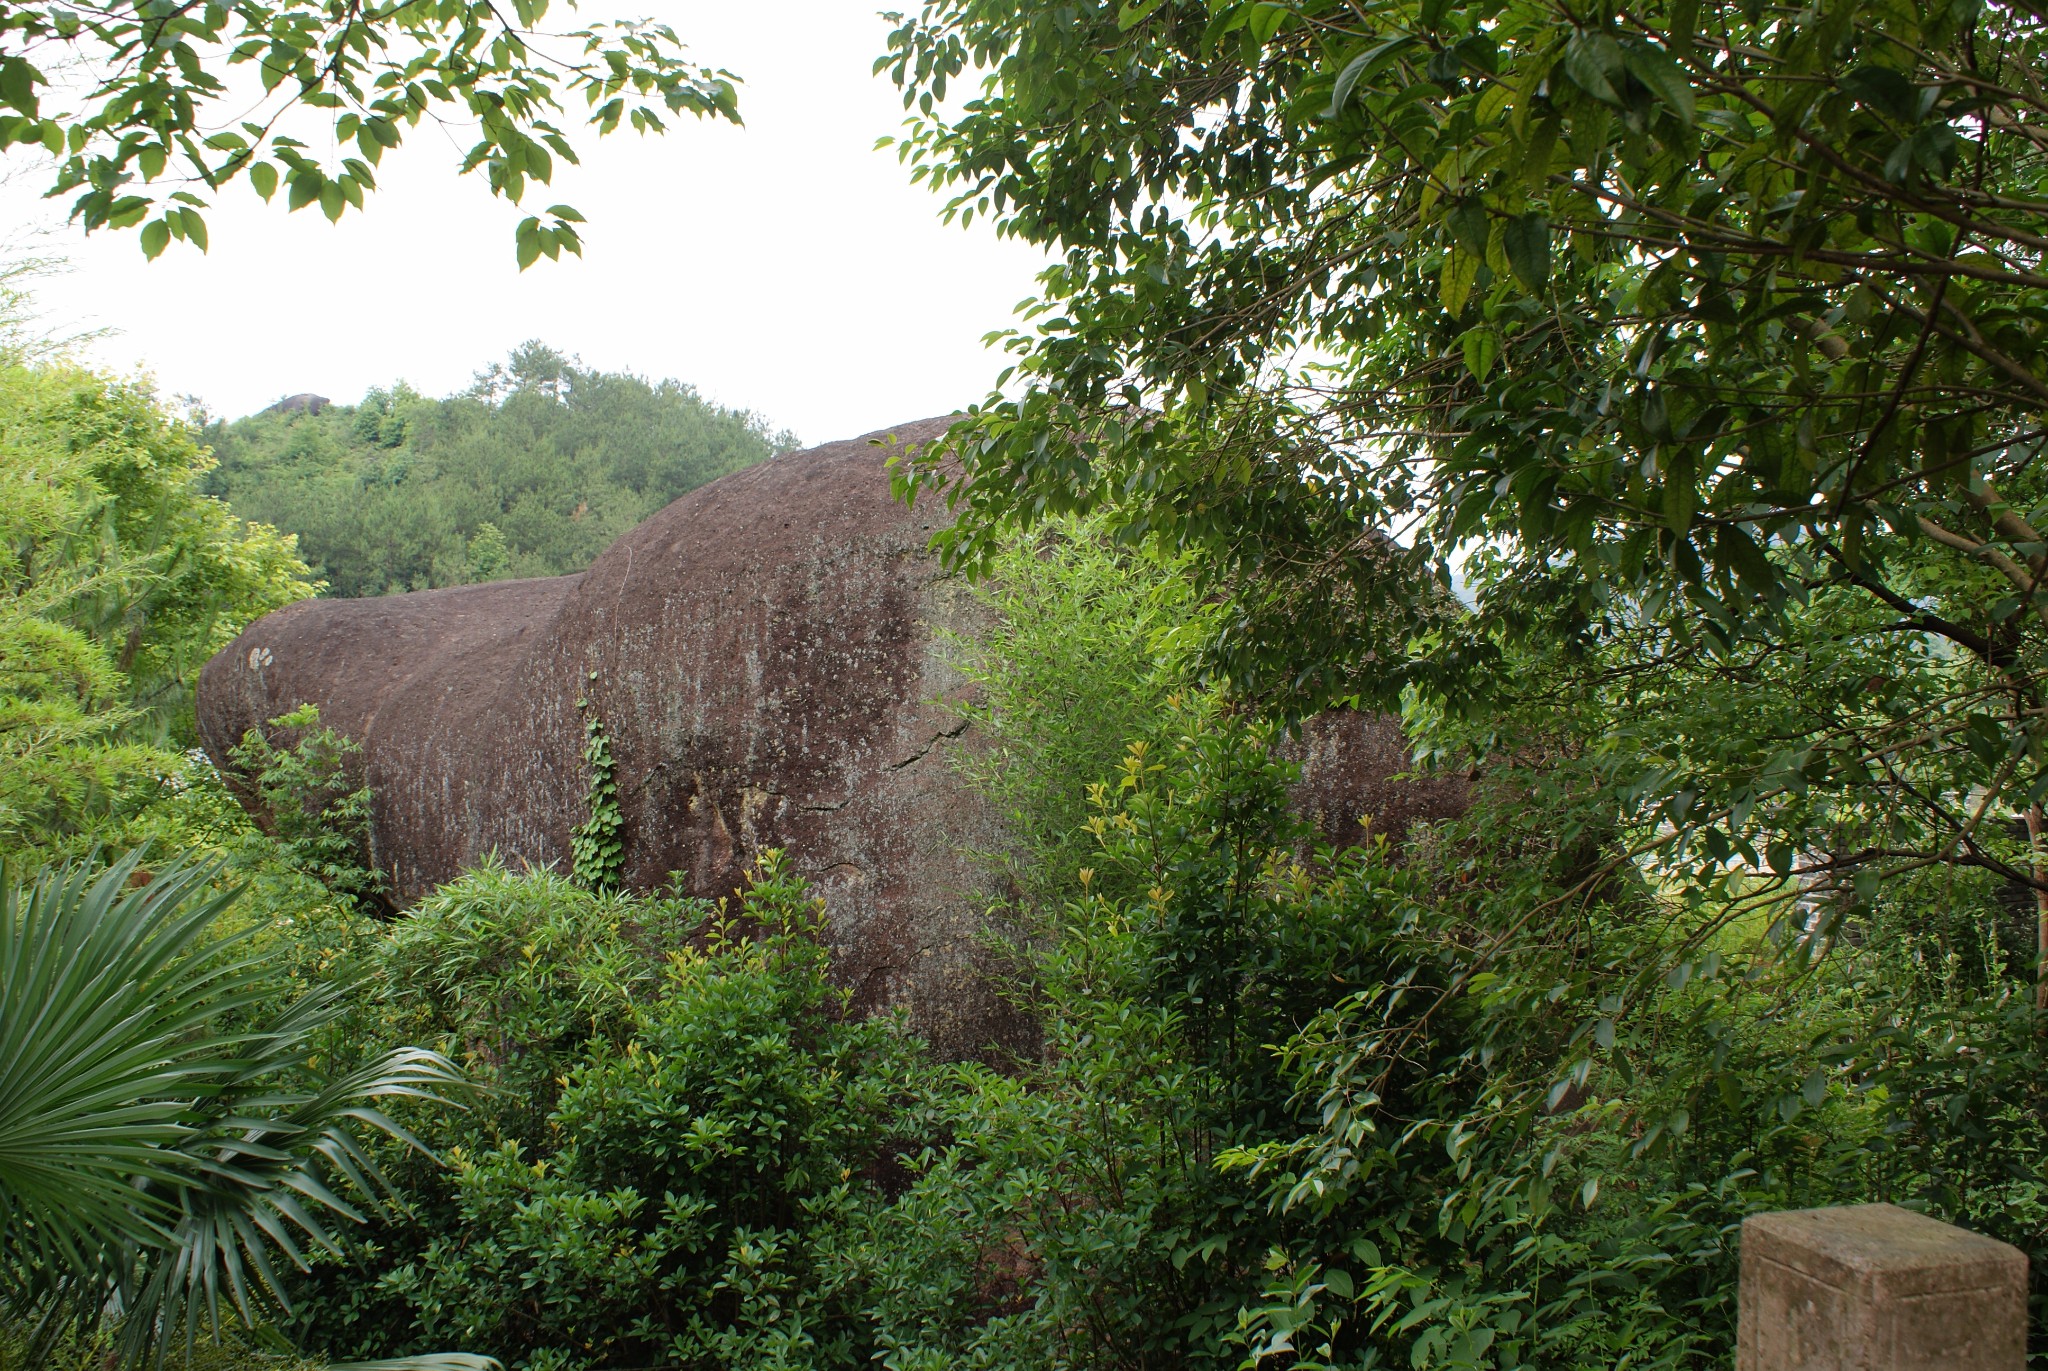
(766, 656)
(1355, 779)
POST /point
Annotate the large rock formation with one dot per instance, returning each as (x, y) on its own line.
(766, 655)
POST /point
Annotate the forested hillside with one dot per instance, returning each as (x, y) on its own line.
(529, 472)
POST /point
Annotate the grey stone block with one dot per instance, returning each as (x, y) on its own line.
(1873, 1287)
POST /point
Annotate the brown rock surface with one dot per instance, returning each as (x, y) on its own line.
(766, 656)
(1355, 779)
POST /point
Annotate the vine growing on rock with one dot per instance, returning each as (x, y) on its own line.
(597, 852)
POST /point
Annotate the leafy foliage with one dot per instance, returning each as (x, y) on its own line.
(597, 854)
(161, 105)
(1692, 321)
(532, 472)
(165, 1149)
(118, 579)
(310, 802)
(672, 1162)
(1295, 1112)
(1494, 1099)
(1086, 643)
(85, 1354)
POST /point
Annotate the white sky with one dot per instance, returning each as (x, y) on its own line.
(787, 267)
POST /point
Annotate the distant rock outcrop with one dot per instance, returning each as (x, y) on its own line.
(767, 658)
(300, 404)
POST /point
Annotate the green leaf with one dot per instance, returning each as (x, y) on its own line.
(263, 177)
(1882, 89)
(1734, 547)
(1679, 497)
(1340, 90)
(18, 85)
(1135, 12)
(1357, 69)
(1595, 64)
(1266, 20)
(1481, 346)
(1460, 271)
(1526, 241)
(1664, 79)
(1655, 413)
(1469, 226)
(156, 236)
(1684, 29)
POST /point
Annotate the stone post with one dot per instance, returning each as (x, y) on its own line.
(1872, 1287)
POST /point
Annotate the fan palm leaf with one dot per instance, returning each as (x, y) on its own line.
(166, 1147)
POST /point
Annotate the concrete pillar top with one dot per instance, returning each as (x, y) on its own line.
(1873, 1287)
(1880, 1239)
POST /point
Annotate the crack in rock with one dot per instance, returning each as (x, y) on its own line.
(941, 736)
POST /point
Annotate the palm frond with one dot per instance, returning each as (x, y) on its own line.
(105, 990)
(159, 1167)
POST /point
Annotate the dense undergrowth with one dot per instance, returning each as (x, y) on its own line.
(675, 1146)
(1496, 1093)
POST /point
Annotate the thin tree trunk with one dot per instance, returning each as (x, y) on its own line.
(2035, 826)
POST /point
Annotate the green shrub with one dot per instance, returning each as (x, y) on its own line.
(310, 803)
(674, 1159)
(1081, 1216)
(1085, 648)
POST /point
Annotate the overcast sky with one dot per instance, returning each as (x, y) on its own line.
(786, 267)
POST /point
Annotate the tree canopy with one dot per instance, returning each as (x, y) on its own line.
(1705, 336)
(118, 579)
(148, 110)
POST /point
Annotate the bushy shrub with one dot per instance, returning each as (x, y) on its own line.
(310, 801)
(676, 1154)
(1080, 1217)
(1085, 645)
